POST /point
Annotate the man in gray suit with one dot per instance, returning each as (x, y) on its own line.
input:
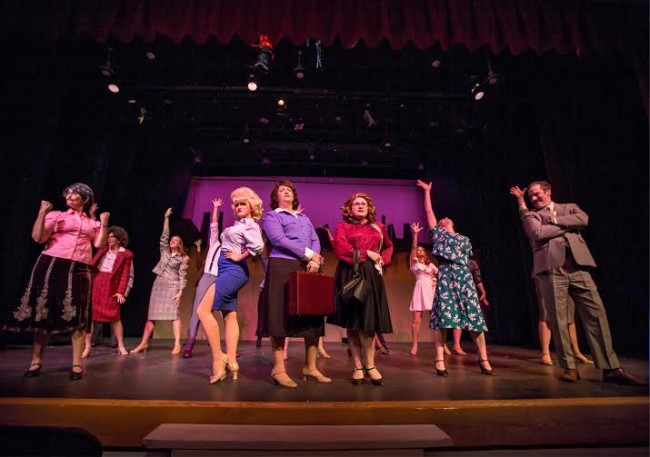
(561, 264)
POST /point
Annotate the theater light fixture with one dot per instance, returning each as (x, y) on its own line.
(264, 55)
(252, 83)
(107, 67)
(478, 92)
(299, 70)
(113, 87)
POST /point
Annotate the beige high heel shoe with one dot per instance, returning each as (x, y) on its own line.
(315, 375)
(220, 373)
(86, 352)
(139, 348)
(176, 350)
(284, 381)
(234, 369)
(582, 359)
(121, 350)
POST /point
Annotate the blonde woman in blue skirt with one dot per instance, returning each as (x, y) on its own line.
(238, 242)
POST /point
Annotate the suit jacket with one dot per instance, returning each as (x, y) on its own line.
(550, 241)
(121, 269)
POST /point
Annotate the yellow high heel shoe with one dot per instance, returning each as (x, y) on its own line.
(220, 373)
(315, 375)
(139, 348)
(234, 369)
(284, 381)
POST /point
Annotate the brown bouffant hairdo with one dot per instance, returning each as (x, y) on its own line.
(347, 207)
(120, 234)
(274, 194)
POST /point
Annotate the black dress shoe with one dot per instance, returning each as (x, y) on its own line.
(35, 372)
(76, 375)
(618, 376)
(570, 375)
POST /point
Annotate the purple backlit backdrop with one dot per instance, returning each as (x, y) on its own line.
(398, 202)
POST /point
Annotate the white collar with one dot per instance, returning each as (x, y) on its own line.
(294, 213)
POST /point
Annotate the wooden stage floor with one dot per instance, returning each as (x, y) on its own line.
(122, 398)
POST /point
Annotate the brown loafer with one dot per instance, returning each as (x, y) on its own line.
(618, 376)
(570, 375)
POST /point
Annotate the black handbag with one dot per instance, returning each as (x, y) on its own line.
(357, 289)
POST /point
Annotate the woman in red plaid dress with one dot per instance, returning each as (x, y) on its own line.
(112, 266)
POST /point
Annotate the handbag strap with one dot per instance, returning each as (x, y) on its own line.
(355, 262)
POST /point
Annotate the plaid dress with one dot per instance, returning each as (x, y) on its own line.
(172, 279)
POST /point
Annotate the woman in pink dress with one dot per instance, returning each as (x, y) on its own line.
(425, 272)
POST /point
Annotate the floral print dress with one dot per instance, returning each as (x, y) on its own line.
(456, 303)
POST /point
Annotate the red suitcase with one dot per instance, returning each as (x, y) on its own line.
(310, 294)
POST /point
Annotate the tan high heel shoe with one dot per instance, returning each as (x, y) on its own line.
(121, 350)
(220, 373)
(582, 359)
(323, 353)
(284, 381)
(139, 348)
(546, 359)
(176, 350)
(234, 369)
(315, 375)
(86, 352)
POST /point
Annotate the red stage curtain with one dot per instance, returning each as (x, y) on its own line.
(515, 26)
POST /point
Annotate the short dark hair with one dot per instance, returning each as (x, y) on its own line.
(274, 194)
(119, 233)
(545, 185)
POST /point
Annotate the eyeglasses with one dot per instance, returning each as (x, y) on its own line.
(360, 204)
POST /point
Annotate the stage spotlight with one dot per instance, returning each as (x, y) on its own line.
(299, 70)
(281, 102)
(478, 92)
(150, 55)
(266, 162)
(493, 77)
(113, 87)
(265, 54)
(252, 83)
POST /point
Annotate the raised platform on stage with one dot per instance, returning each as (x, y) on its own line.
(123, 398)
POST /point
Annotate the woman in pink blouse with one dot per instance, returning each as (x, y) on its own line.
(57, 298)
(360, 231)
(171, 279)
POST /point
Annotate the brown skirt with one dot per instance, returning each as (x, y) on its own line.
(57, 298)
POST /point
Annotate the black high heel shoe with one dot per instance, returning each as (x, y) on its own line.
(376, 382)
(484, 370)
(76, 375)
(440, 372)
(359, 381)
(35, 372)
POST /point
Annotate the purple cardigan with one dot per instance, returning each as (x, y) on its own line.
(289, 235)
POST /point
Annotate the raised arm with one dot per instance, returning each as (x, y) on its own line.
(102, 236)
(164, 237)
(518, 193)
(41, 233)
(415, 229)
(428, 209)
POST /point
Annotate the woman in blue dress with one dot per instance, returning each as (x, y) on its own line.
(242, 240)
(456, 303)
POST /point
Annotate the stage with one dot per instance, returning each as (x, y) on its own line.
(123, 398)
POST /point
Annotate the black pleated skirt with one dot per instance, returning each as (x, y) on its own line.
(374, 315)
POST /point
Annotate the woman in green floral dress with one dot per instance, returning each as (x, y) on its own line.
(456, 303)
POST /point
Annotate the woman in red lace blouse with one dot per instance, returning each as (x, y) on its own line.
(359, 231)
